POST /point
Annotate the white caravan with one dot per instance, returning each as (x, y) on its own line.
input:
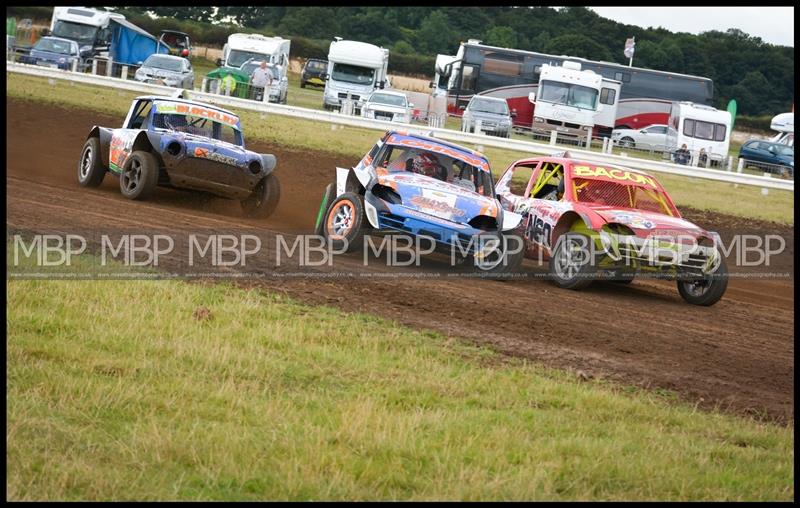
(355, 70)
(699, 127)
(244, 47)
(784, 124)
(574, 102)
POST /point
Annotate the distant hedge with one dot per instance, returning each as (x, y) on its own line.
(757, 123)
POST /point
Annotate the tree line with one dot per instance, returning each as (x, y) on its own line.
(759, 75)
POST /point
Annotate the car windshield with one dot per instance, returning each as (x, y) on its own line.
(55, 46)
(163, 62)
(622, 195)
(84, 34)
(316, 65)
(388, 99)
(488, 106)
(237, 57)
(401, 159)
(352, 74)
(198, 126)
(784, 150)
(569, 95)
(249, 67)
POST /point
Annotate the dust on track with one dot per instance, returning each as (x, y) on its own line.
(737, 355)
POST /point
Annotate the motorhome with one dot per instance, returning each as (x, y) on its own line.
(573, 102)
(242, 48)
(355, 70)
(699, 127)
(784, 124)
(90, 28)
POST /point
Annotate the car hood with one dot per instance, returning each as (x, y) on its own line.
(205, 148)
(385, 107)
(645, 223)
(441, 199)
(162, 73)
(491, 117)
(48, 55)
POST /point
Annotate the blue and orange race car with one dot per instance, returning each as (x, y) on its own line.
(424, 187)
(178, 143)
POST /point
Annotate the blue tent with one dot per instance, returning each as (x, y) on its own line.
(132, 45)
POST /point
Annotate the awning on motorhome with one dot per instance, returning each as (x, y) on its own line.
(131, 44)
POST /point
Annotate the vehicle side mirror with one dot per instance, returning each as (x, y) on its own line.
(532, 97)
(513, 113)
(431, 84)
(46, 32)
(462, 108)
(326, 77)
(411, 105)
(185, 53)
(219, 62)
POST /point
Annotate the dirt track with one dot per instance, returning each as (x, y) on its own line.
(738, 354)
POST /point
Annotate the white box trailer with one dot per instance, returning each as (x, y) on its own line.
(699, 127)
(355, 70)
(784, 124)
(90, 28)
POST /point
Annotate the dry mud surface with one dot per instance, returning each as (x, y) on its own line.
(737, 355)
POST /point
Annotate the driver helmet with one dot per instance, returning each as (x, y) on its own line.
(425, 164)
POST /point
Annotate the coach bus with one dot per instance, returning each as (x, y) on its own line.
(512, 74)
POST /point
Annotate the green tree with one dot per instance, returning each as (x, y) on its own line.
(579, 45)
(402, 47)
(749, 93)
(315, 22)
(501, 36)
(435, 35)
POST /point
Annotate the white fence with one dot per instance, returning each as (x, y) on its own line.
(525, 147)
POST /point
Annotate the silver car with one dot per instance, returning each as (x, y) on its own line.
(166, 70)
(387, 105)
(493, 114)
(653, 137)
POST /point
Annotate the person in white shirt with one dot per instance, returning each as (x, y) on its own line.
(262, 78)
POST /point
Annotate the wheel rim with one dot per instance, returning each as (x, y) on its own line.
(132, 175)
(697, 288)
(86, 162)
(341, 219)
(568, 260)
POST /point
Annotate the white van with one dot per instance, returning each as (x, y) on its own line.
(699, 127)
(355, 70)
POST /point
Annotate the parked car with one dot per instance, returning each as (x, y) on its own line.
(609, 222)
(653, 137)
(278, 91)
(313, 72)
(493, 114)
(166, 70)
(54, 52)
(387, 105)
(181, 144)
(769, 156)
(179, 43)
(423, 187)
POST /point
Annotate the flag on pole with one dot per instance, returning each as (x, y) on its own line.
(629, 44)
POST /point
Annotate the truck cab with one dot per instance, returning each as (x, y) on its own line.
(355, 70)
(90, 28)
(242, 48)
(573, 102)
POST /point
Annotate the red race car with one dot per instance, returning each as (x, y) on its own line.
(602, 221)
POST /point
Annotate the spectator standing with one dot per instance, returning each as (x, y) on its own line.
(261, 78)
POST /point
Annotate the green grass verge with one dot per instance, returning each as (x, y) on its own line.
(745, 201)
(171, 390)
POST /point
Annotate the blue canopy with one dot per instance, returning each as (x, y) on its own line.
(132, 45)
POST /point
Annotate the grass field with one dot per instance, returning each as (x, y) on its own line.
(177, 391)
(702, 194)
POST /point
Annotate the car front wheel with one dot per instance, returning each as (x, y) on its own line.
(90, 166)
(705, 291)
(344, 222)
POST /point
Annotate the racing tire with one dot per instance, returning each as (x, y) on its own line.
(139, 175)
(264, 199)
(627, 143)
(327, 198)
(505, 263)
(705, 292)
(572, 265)
(343, 224)
(90, 166)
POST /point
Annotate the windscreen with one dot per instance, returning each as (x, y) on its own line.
(54, 46)
(622, 195)
(237, 57)
(162, 62)
(198, 121)
(496, 107)
(388, 99)
(315, 65)
(84, 34)
(568, 94)
(352, 74)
